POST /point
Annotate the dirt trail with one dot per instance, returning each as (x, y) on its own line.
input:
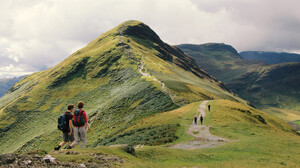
(163, 86)
(204, 139)
(141, 68)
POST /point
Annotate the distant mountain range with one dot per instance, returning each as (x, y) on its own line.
(7, 83)
(270, 57)
(263, 85)
(220, 60)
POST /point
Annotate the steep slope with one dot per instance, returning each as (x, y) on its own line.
(271, 86)
(270, 57)
(124, 75)
(219, 60)
(7, 83)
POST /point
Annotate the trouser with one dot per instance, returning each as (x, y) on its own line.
(80, 135)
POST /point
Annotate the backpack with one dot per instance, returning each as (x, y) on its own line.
(62, 123)
(78, 118)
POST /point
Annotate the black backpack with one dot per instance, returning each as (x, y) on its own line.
(78, 118)
(62, 123)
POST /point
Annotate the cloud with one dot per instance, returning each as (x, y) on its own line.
(35, 34)
(12, 71)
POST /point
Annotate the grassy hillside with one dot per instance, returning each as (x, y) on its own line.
(271, 86)
(109, 77)
(219, 60)
(271, 143)
(270, 57)
(7, 83)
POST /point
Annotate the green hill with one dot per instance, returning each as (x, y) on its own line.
(7, 83)
(271, 57)
(220, 60)
(124, 75)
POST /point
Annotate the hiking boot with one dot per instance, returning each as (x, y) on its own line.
(57, 148)
(69, 147)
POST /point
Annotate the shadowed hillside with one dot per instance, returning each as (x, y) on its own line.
(220, 60)
(271, 86)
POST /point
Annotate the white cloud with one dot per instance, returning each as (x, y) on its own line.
(42, 33)
(12, 70)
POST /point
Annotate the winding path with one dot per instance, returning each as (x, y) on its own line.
(163, 86)
(204, 139)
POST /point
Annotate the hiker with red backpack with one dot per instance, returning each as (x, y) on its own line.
(65, 125)
(79, 122)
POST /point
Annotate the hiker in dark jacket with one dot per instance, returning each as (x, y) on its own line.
(79, 122)
(201, 119)
(68, 134)
(195, 119)
(209, 107)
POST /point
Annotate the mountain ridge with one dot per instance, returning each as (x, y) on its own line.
(219, 59)
(271, 57)
(250, 79)
(105, 75)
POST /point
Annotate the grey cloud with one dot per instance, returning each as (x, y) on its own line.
(40, 34)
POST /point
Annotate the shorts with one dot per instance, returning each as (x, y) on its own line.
(68, 138)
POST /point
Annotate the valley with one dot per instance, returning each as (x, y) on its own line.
(267, 80)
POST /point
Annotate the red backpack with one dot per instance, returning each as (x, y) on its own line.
(78, 118)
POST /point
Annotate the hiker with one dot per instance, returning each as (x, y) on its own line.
(195, 119)
(65, 125)
(79, 122)
(201, 119)
(209, 107)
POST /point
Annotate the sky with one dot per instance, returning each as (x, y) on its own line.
(38, 34)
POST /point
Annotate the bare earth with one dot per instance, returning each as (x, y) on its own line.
(204, 139)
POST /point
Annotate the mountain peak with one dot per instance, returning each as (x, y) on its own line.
(138, 29)
(132, 23)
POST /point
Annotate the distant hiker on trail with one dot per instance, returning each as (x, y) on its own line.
(195, 119)
(201, 119)
(65, 125)
(79, 122)
(209, 107)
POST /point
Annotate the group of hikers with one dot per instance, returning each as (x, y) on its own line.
(201, 117)
(73, 124)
